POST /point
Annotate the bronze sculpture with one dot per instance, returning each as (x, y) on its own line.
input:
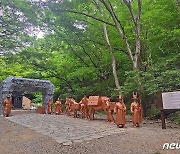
(67, 109)
(83, 107)
(58, 107)
(7, 103)
(49, 109)
(120, 111)
(110, 108)
(95, 103)
(136, 111)
(74, 106)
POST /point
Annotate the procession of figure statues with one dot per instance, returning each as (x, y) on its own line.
(87, 107)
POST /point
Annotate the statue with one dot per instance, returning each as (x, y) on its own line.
(74, 106)
(58, 107)
(96, 103)
(110, 108)
(83, 107)
(67, 110)
(120, 111)
(49, 110)
(136, 111)
(7, 103)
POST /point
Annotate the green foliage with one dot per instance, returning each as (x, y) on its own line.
(74, 56)
(37, 99)
(175, 117)
(18, 18)
(154, 112)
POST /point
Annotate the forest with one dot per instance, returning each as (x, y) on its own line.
(93, 47)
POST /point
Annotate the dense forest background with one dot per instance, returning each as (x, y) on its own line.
(94, 47)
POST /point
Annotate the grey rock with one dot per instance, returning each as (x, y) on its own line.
(15, 87)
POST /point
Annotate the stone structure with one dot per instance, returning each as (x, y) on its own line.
(15, 87)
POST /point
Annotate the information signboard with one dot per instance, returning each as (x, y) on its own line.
(171, 100)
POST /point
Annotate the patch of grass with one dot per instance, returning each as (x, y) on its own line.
(175, 117)
(177, 120)
(154, 113)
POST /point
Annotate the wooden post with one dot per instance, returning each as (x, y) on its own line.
(160, 107)
(163, 119)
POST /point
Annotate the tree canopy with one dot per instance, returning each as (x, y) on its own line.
(95, 47)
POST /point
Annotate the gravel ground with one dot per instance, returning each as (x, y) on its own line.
(148, 139)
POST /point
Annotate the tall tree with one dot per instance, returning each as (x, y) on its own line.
(19, 20)
(110, 50)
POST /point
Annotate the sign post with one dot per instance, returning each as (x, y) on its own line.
(163, 119)
(167, 101)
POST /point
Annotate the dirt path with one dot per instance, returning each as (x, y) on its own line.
(148, 139)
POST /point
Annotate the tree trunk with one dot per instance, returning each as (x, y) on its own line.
(178, 5)
(116, 80)
(112, 58)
